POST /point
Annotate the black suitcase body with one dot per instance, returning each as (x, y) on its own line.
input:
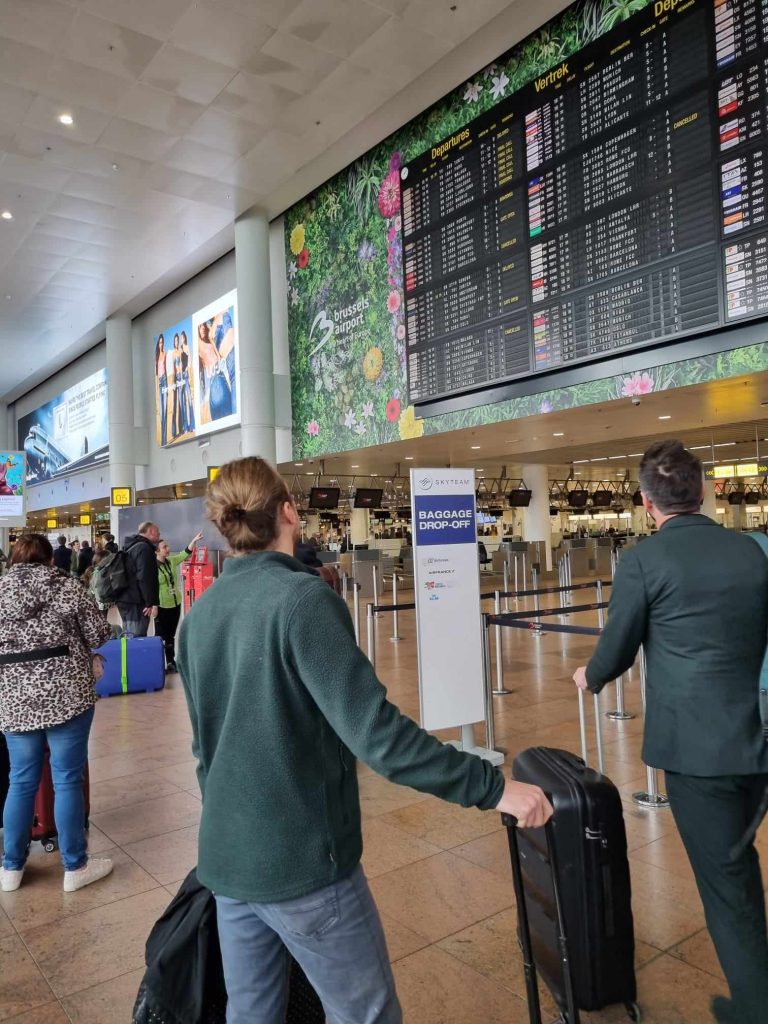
(589, 863)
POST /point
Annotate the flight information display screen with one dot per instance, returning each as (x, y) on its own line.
(618, 201)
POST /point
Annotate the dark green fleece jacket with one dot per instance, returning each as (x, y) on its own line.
(282, 701)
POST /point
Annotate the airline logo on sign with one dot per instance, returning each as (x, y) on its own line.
(446, 519)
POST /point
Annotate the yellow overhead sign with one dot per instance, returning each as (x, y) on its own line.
(213, 472)
(742, 469)
(122, 496)
(85, 519)
(51, 524)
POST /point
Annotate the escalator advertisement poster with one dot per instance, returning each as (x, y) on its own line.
(12, 484)
(68, 434)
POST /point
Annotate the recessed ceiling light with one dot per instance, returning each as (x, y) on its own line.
(355, 467)
(6, 215)
(665, 417)
(298, 464)
(409, 458)
(558, 435)
(115, 167)
(475, 447)
(374, 474)
(66, 119)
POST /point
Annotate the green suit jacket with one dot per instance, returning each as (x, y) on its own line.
(696, 596)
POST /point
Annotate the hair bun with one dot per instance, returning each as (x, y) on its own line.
(234, 514)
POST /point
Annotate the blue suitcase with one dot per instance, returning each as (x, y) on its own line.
(132, 664)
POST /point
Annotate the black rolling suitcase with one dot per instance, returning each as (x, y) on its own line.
(573, 889)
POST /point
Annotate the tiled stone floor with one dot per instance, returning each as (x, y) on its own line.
(440, 874)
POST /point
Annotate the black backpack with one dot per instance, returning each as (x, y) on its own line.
(110, 578)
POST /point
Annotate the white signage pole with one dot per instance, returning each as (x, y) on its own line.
(449, 625)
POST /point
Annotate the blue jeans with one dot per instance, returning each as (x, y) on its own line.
(69, 752)
(134, 620)
(334, 933)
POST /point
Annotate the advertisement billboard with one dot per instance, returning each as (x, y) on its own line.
(12, 488)
(196, 374)
(68, 434)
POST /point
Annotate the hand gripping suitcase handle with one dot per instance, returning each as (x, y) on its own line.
(598, 731)
(529, 963)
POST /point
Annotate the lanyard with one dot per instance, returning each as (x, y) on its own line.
(167, 571)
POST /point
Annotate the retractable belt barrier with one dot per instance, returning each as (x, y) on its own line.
(519, 623)
(376, 609)
(542, 612)
(545, 590)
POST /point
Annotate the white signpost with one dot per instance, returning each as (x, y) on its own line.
(447, 588)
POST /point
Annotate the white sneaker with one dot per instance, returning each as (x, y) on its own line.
(96, 868)
(10, 880)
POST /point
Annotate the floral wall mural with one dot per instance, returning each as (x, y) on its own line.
(344, 265)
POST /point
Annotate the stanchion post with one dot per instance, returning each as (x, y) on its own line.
(395, 635)
(620, 714)
(583, 728)
(500, 690)
(490, 737)
(506, 585)
(538, 631)
(517, 582)
(600, 615)
(356, 602)
(344, 586)
(651, 798)
(371, 636)
(376, 586)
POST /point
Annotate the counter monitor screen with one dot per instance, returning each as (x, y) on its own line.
(324, 497)
(368, 497)
(602, 499)
(617, 201)
(519, 499)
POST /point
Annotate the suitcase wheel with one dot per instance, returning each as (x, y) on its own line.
(50, 846)
(634, 1012)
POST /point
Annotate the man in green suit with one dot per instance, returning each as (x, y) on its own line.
(696, 597)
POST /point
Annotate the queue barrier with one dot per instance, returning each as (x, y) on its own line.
(651, 797)
(546, 590)
(371, 611)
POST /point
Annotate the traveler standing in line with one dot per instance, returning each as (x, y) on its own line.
(74, 557)
(696, 598)
(138, 603)
(62, 556)
(85, 558)
(169, 610)
(110, 545)
(282, 701)
(48, 626)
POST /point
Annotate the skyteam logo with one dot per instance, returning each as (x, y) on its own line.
(448, 519)
(425, 483)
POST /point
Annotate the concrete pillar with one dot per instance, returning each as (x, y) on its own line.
(709, 504)
(122, 457)
(536, 521)
(359, 526)
(254, 305)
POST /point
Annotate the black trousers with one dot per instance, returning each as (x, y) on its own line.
(166, 624)
(712, 815)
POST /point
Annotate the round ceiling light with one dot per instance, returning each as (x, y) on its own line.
(6, 215)
(66, 119)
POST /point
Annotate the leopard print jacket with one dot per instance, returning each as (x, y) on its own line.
(48, 627)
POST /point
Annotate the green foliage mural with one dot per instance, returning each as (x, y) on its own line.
(345, 276)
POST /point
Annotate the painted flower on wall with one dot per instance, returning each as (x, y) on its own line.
(393, 410)
(393, 301)
(546, 406)
(400, 333)
(350, 420)
(373, 364)
(367, 252)
(472, 93)
(294, 296)
(637, 384)
(303, 259)
(292, 270)
(409, 426)
(499, 86)
(389, 195)
(313, 428)
(367, 411)
(298, 238)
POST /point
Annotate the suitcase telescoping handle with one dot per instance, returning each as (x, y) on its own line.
(598, 731)
(524, 928)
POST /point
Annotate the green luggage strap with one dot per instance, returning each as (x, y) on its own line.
(124, 663)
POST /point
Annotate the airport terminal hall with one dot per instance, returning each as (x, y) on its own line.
(383, 511)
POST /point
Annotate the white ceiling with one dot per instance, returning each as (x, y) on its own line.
(185, 115)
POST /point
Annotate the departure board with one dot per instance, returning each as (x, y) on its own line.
(616, 202)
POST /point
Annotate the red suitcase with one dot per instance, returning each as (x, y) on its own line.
(43, 823)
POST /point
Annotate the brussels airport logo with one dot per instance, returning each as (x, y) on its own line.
(338, 323)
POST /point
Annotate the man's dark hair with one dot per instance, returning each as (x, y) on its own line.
(62, 540)
(671, 477)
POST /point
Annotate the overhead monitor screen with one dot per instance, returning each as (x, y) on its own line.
(324, 497)
(368, 497)
(615, 202)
